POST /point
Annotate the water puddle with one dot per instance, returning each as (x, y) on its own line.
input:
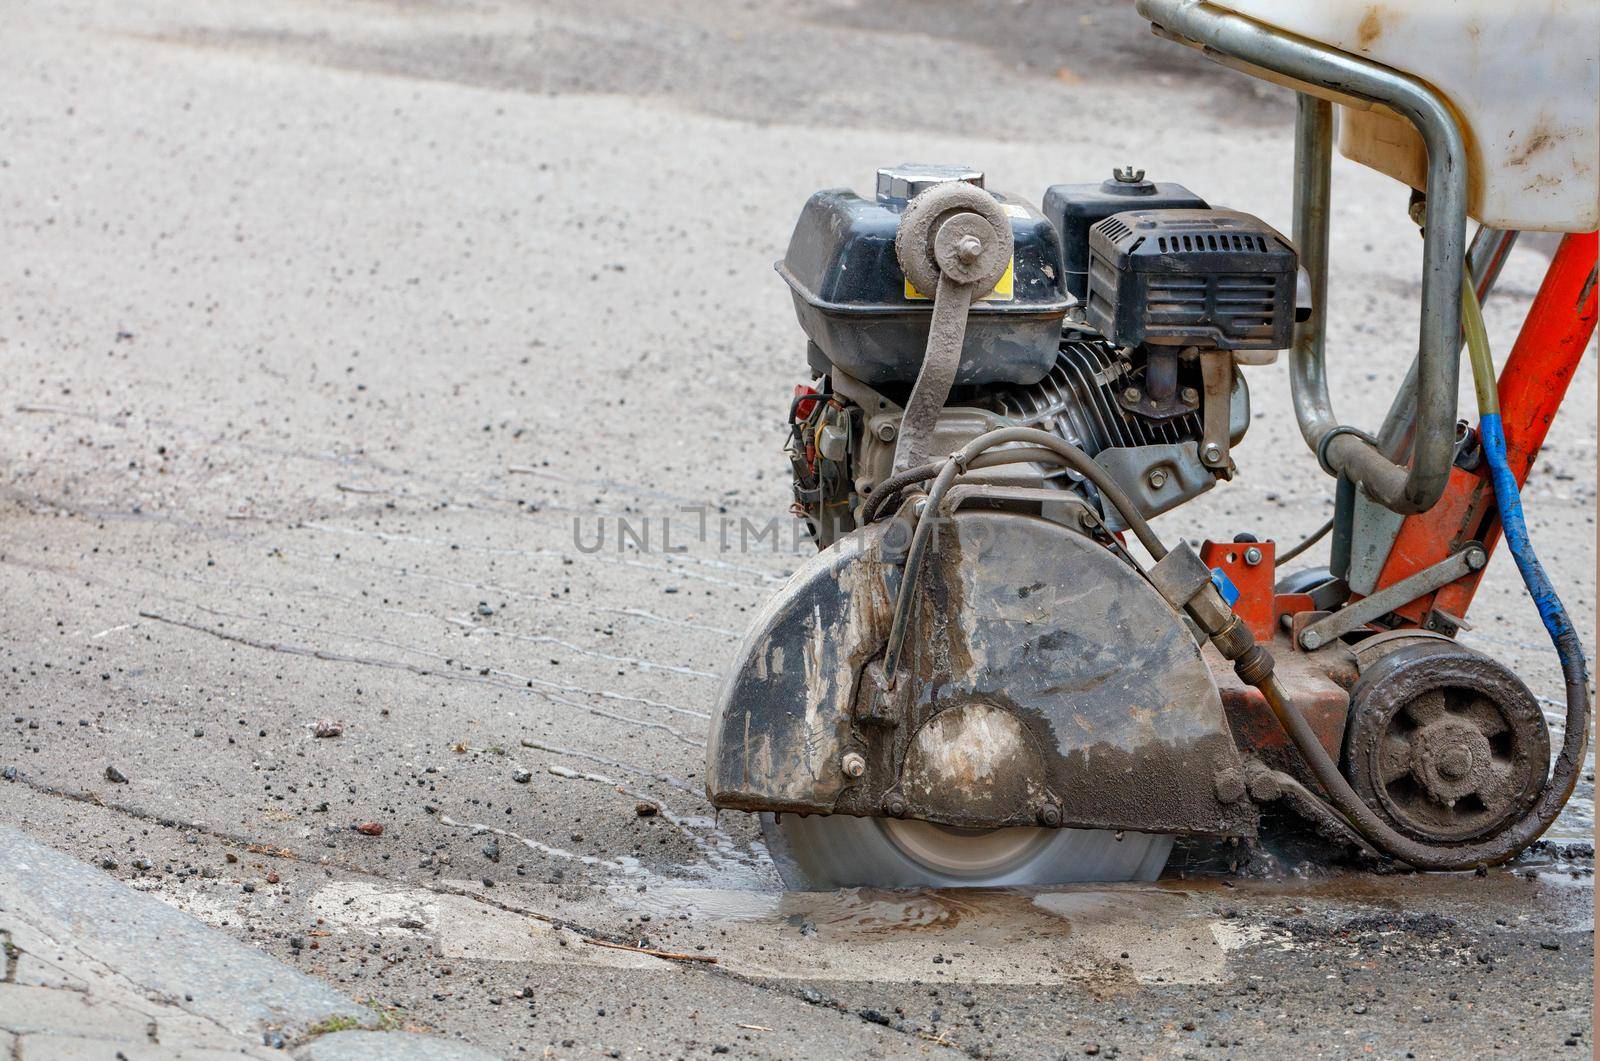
(1109, 937)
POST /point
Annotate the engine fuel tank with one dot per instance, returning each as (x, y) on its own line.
(1063, 692)
(864, 317)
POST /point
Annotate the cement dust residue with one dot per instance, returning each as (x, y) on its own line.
(1107, 935)
(457, 925)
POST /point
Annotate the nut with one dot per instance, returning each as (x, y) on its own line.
(1230, 785)
(1252, 556)
(894, 806)
(1131, 394)
(1190, 395)
(1262, 782)
(1157, 478)
(853, 764)
(1211, 453)
(1049, 815)
(886, 431)
(1455, 762)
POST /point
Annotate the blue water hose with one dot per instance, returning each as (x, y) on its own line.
(1508, 502)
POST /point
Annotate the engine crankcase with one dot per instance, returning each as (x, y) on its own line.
(1043, 681)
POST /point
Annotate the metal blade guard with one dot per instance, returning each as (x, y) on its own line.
(1080, 701)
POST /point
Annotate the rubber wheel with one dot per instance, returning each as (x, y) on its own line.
(1448, 745)
(820, 852)
(1303, 581)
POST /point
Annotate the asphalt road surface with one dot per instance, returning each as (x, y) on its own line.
(335, 336)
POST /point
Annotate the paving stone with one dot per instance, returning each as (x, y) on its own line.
(157, 949)
(75, 1048)
(97, 968)
(30, 1010)
(38, 960)
(33, 971)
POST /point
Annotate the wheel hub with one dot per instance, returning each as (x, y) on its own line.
(1449, 765)
(976, 853)
(1450, 759)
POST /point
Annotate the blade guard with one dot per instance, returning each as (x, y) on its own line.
(1044, 682)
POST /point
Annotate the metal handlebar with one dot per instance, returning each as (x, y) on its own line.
(1417, 484)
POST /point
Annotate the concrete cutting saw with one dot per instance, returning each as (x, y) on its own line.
(994, 671)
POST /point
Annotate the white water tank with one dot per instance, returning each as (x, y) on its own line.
(1523, 77)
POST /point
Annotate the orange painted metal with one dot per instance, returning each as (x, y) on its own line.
(1318, 683)
(1532, 385)
(1254, 582)
(1290, 604)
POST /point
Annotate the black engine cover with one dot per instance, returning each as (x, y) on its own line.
(1213, 278)
(1074, 209)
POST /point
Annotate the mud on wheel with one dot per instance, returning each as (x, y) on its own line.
(1446, 744)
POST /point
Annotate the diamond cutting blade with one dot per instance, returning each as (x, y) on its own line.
(819, 852)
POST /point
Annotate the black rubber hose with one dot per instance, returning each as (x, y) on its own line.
(1311, 539)
(881, 494)
(945, 474)
(908, 583)
(1569, 764)
(1078, 461)
(1559, 785)
(1361, 817)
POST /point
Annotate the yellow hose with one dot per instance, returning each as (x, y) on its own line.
(1478, 347)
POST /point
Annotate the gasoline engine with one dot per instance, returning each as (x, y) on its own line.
(1122, 339)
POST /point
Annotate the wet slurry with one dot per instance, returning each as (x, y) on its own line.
(337, 336)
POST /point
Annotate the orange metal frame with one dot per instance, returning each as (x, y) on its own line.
(1532, 385)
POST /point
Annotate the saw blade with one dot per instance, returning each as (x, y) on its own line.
(820, 852)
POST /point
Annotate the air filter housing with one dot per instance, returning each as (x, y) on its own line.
(1213, 278)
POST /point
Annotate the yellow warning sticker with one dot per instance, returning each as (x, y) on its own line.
(1003, 288)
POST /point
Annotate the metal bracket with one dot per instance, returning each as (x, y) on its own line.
(1216, 370)
(1157, 477)
(956, 241)
(1179, 576)
(1056, 505)
(1373, 530)
(1354, 616)
(877, 699)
